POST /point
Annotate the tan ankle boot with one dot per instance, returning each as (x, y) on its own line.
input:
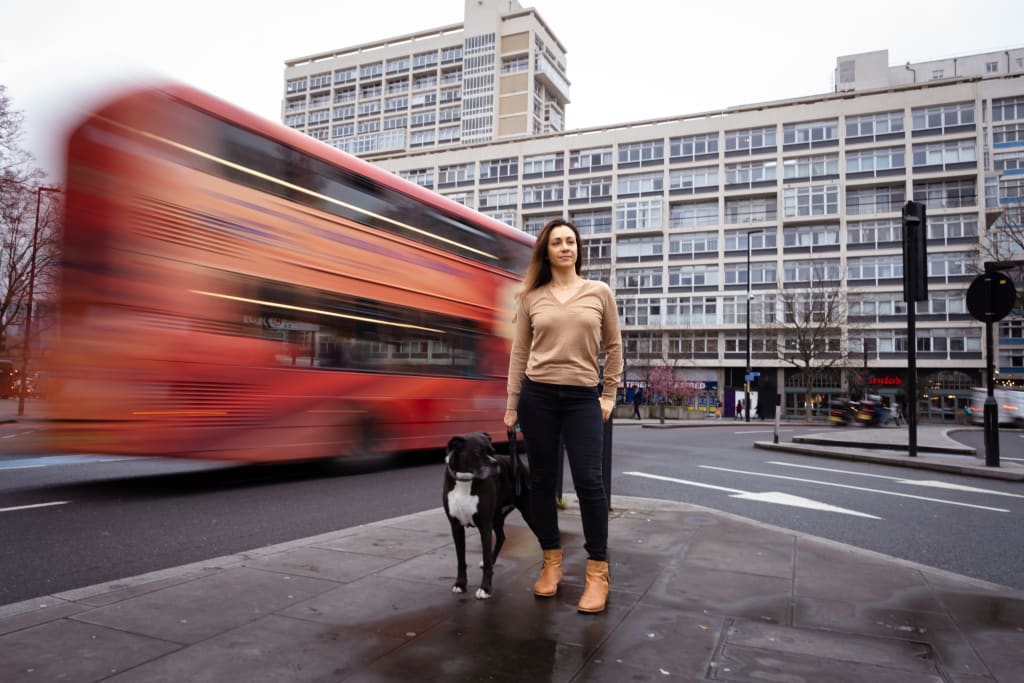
(595, 594)
(550, 574)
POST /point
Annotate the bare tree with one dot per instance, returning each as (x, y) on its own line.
(809, 323)
(19, 198)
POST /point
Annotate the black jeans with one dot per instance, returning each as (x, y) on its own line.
(546, 412)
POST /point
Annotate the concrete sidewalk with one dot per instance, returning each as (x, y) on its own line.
(697, 595)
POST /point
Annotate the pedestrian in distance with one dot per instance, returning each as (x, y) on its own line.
(739, 409)
(638, 399)
(556, 387)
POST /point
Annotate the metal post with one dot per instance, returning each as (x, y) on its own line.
(991, 408)
(29, 304)
(912, 378)
(606, 461)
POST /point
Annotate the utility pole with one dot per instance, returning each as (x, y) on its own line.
(31, 293)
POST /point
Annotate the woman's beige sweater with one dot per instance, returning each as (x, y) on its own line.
(559, 343)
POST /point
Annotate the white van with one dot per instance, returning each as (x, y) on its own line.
(1009, 406)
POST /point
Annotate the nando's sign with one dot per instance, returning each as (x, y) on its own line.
(886, 381)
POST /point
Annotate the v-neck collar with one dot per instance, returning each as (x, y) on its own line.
(572, 295)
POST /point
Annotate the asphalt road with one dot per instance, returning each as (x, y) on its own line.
(71, 522)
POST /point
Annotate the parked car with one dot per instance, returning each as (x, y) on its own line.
(1009, 406)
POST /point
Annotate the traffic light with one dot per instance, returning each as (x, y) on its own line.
(915, 252)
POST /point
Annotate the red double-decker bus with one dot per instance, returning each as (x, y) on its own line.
(233, 289)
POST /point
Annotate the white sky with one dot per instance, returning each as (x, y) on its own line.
(673, 57)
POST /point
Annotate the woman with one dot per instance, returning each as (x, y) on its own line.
(555, 388)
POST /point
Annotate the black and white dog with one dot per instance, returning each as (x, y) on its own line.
(480, 491)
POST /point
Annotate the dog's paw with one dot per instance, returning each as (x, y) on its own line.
(458, 589)
(481, 594)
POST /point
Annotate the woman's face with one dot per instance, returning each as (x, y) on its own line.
(562, 247)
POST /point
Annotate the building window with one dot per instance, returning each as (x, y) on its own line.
(881, 199)
(542, 164)
(812, 200)
(751, 140)
(761, 273)
(751, 210)
(637, 248)
(635, 279)
(811, 236)
(749, 174)
(693, 215)
(946, 194)
(499, 169)
(883, 234)
(875, 160)
(938, 119)
(873, 126)
(597, 250)
(874, 270)
(319, 81)
(544, 194)
(942, 154)
(811, 272)
(699, 178)
(374, 70)
(591, 189)
(458, 173)
(1008, 109)
(424, 177)
(694, 245)
(640, 184)
(810, 132)
(591, 222)
(694, 147)
(948, 265)
(639, 215)
(877, 306)
(590, 159)
(345, 75)
(693, 277)
(499, 197)
(991, 67)
(650, 151)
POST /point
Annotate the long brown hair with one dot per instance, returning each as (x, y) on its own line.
(539, 272)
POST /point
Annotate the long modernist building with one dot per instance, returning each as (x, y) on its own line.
(691, 218)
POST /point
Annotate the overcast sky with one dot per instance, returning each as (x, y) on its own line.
(666, 57)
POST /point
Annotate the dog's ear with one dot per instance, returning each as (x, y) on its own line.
(456, 442)
(489, 439)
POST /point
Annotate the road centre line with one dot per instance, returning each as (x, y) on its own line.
(900, 480)
(37, 505)
(855, 488)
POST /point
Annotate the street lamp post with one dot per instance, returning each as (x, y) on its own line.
(746, 378)
(31, 293)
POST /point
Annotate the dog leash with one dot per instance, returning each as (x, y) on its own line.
(513, 449)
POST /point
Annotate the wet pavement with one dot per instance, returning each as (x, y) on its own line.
(697, 595)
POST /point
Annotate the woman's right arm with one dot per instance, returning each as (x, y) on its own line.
(522, 339)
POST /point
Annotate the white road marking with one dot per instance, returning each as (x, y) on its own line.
(777, 497)
(910, 482)
(855, 488)
(37, 505)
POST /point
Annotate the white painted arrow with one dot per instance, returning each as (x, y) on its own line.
(854, 488)
(776, 497)
(910, 482)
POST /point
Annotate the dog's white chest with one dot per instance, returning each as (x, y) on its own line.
(462, 504)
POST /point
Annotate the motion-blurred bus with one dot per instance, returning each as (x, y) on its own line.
(233, 289)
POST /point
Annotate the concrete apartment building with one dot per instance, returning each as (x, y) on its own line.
(696, 219)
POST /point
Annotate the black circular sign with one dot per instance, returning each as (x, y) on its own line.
(991, 297)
